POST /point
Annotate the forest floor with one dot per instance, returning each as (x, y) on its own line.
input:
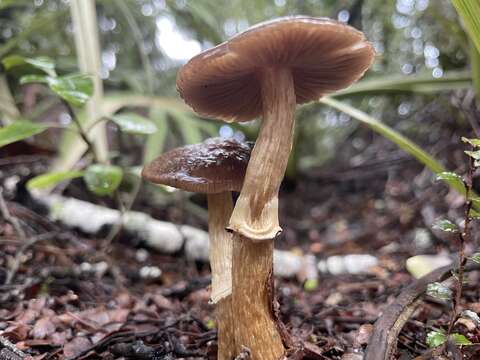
(68, 300)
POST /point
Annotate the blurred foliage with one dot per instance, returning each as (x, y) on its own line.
(421, 46)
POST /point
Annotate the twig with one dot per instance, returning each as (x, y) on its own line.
(383, 343)
(18, 257)
(11, 219)
(4, 342)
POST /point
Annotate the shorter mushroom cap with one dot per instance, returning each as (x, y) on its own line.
(214, 166)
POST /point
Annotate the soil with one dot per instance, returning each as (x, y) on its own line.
(68, 299)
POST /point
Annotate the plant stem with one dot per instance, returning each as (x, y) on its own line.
(464, 237)
(82, 132)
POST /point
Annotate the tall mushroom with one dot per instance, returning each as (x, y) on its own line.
(215, 167)
(267, 70)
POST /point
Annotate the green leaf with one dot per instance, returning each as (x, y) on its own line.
(445, 225)
(472, 142)
(42, 63)
(75, 89)
(310, 284)
(103, 179)
(473, 154)
(19, 130)
(28, 79)
(134, 124)
(452, 179)
(474, 214)
(51, 179)
(435, 338)
(439, 291)
(460, 340)
(475, 257)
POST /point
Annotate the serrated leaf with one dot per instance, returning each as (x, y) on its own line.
(472, 315)
(75, 89)
(52, 179)
(103, 179)
(42, 63)
(460, 340)
(472, 142)
(473, 154)
(439, 291)
(134, 124)
(435, 338)
(445, 225)
(452, 179)
(475, 257)
(19, 130)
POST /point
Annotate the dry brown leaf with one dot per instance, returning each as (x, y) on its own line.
(76, 346)
(43, 328)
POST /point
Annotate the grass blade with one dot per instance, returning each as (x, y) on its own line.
(88, 54)
(423, 84)
(390, 134)
(469, 10)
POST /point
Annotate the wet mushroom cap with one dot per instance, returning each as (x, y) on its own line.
(324, 56)
(214, 166)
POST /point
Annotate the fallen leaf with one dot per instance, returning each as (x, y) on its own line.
(162, 302)
(363, 335)
(76, 346)
(43, 328)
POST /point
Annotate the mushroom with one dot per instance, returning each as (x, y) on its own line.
(267, 70)
(215, 167)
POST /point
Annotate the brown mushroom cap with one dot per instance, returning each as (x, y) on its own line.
(324, 56)
(214, 166)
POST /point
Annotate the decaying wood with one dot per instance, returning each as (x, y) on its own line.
(252, 291)
(383, 342)
(10, 351)
(162, 236)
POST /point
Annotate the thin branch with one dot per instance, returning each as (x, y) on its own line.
(20, 253)
(11, 219)
(383, 343)
(81, 130)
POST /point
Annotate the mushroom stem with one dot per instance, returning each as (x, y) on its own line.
(252, 299)
(220, 253)
(256, 213)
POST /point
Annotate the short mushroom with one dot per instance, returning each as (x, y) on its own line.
(215, 167)
(267, 70)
